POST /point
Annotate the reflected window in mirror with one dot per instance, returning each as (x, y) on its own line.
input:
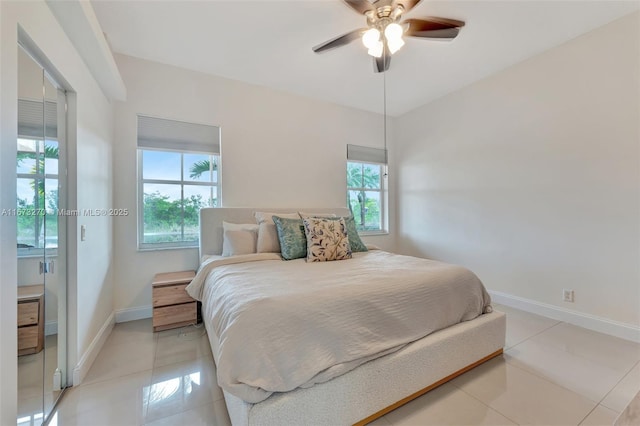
(37, 195)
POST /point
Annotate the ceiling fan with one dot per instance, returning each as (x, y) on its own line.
(383, 35)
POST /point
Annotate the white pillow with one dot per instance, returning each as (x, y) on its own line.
(240, 242)
(267, 234)
(266, 217)
(227, 245)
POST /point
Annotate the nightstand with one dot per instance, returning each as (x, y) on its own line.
(30, 319)
(172, 306)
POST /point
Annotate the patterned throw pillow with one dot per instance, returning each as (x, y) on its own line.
(293, 243)
(326, 239)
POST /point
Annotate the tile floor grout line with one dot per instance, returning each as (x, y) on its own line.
(546, 380)
(534, 335)
(195, 407)
(111, 378)
(487, 405)
(616, 385)
(562, 386)
(588, 414)
(551, 382)
(67, 393)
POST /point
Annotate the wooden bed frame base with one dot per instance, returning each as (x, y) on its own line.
(427, 389)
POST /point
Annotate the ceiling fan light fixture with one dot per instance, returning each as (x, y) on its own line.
(386, 29)
(393, 33)
(395, 45)
(376, 50)
(371, 38)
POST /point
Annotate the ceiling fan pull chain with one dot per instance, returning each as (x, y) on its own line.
(384, 110)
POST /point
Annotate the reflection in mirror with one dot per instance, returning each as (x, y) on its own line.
(30, 228)
(40, 242)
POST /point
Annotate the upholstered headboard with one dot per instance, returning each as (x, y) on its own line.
(211, 219)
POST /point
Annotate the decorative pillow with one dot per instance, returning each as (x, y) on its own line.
(354, 239)
(240, 242)
(327, 239)
(293, 242)
(250, 228)
(267, 233)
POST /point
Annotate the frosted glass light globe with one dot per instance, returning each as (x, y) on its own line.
(393, 32)
(376, 50)
(370, 38)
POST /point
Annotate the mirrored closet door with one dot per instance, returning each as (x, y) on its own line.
(41, 242)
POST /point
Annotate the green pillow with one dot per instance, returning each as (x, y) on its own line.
(293, 241)
(354, 239)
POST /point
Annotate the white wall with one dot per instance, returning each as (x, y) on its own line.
(8, 252)
(531, 177)
(278, 150)
(90, 280)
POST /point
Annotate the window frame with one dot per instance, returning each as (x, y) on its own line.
(384, 225)
(142, 246)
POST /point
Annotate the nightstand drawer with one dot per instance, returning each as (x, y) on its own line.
(170, 295)
(27, 337)
(175, 315)
(28, 313)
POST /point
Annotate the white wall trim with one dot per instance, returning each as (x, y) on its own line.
(79, 22)
(50, 328)
(87, 358)
(591, 322)
(132, 314)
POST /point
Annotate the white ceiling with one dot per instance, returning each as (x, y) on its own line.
(268, 43)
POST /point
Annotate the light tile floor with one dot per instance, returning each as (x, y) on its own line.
(35, 383)
(552, 373)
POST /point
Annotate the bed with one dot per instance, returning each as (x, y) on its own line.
(367, 380)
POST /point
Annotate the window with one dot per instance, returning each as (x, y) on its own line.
(366, 196)
(37, 194)
(178, 174)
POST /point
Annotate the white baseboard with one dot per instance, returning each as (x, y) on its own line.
(81, 369)
(132, 314)
(50, 327)
(592, 322)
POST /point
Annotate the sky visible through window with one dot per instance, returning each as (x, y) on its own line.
(164, 165)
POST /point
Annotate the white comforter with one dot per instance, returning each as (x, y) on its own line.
(288, 324)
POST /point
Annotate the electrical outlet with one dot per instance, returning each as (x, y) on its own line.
(567, 295)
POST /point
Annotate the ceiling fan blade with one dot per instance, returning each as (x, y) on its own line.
(440, 28)
(382, 63)
(360, 6)
(339, 41)
(407, 4)
(448, 34)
